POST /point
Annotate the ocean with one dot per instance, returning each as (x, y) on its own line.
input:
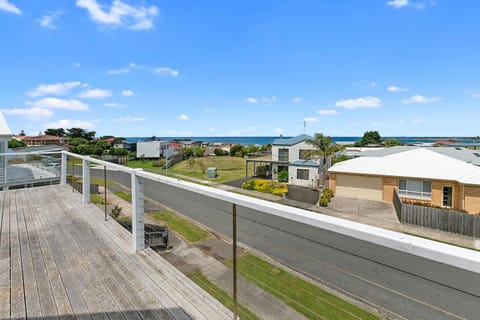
(266, 140)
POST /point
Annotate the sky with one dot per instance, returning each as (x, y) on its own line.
(241, 68)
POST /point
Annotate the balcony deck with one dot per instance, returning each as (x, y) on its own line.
(59, 259)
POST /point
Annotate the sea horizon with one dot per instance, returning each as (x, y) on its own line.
(262, 140)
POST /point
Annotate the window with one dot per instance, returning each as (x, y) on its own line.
(303, 156)
(415, 189)
(282, 154)
(302, 174)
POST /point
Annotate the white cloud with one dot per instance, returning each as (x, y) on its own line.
(118, 71)
(212, 129)
(127, 93)
(166, 71)
(131, 119)
(278, 130)
(114, 105)
(327, 112)
(397, 3)
(474, 93)
(34, 113)
(420, 99)
(95, 94)
(65, 123)
(56, 103)
(120, 14)
(310, 120)
(7, 6)
(373, 84)
(54, 89)
(396, 89)
(365, 102)
(183, 117)
(76, 65)
(47, 21)
(233, 133)
(297, 100)
(264, 100)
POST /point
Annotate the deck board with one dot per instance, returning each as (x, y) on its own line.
(59, 259)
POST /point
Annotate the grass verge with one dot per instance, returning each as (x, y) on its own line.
(124, 195)
(180, 225)
(97, 199)
(101, 182)
(306, 298)
(221, 296)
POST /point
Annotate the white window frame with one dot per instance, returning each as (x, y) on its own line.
(303, 170)
(422, 195)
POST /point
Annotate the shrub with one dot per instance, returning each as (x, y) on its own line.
(283, 176)
(323, 201)
(326, 196)
(116, 211)
(220, 152)
(266, 186)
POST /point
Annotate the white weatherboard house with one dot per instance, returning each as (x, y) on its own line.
(5, 136)
(288, 154)
(419, 175)
(154, 150)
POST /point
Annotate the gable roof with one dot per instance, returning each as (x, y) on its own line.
(4, 128)
(464, 154)
(418, 163)
(304, 163)
(291, 141)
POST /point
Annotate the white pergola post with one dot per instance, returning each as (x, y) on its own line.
(63, 169)
(138, 227)
(86, 181)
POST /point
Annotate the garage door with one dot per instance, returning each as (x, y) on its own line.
(360, 187)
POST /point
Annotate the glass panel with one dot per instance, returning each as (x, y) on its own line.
(427, 186)
(413, 185)
(402, 185)
(282, 154)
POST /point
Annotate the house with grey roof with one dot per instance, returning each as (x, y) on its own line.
(5, 136)
(289, 154)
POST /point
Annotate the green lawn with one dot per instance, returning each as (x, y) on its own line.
(180, 225)
(98, 199)
(228, 168)
(307, 299)
(221, 296)
(124, 195)
(101, 182)
(144, 164)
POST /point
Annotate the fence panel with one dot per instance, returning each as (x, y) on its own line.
(437, 218)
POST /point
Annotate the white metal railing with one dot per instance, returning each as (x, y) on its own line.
(436, 251)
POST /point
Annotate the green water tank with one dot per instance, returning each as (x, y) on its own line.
(212, 173)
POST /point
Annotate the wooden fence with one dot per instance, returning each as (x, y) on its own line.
(435, 218)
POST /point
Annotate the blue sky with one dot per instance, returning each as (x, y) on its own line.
(241, 68)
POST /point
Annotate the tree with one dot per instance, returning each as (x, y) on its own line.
(324, 148)
(80, 133)
(59, 132)
(237, 150)
(12, 144)
(391, 143)
(369, 137)
(22, 133)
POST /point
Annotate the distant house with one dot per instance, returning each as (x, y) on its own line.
(419, 174)
(192, 143)
(44, 140)
(154, 150)
(289, 154)
(5, 136)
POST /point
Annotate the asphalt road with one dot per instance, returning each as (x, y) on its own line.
(407, 286)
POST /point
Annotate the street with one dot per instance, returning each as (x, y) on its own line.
(391, 280)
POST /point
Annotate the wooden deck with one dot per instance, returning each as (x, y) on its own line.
(59, 259)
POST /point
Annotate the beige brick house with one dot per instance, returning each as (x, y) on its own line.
(420, 175)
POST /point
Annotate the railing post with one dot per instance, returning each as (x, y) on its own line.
(234, 238)
(63, 169)
(86, 181)
(138, 227)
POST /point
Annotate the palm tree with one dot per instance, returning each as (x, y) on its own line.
(324, 148)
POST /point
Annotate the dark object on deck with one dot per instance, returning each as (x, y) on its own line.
(155, 235)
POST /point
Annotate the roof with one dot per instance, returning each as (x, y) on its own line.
(46, 137)
(463, 154)
(420, 163)
(304, 163)
(291, 141)
(4, 128)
